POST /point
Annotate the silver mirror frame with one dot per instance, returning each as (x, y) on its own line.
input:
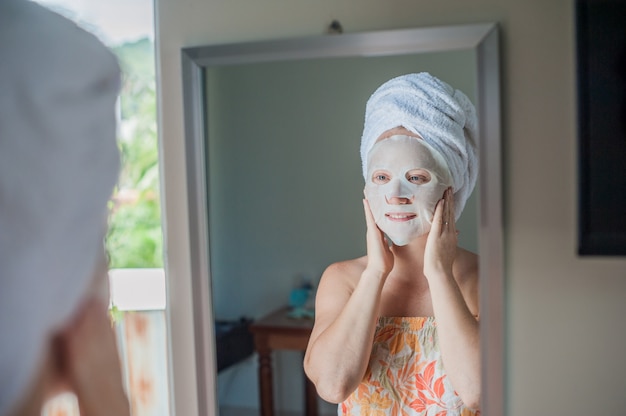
(482, 38)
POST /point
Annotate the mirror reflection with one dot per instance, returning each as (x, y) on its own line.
(285, 190)
(396, 331)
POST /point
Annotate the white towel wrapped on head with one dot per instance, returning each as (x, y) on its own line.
(443, 116)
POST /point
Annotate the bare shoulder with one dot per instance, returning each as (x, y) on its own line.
(334, 290)
(344, 274)
(467, 277)
(337, 284)
(466, 265)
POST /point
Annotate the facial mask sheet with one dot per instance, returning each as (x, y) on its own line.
(405, 179)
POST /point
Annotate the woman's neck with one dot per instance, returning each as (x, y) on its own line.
(409, 261)
(412, 251)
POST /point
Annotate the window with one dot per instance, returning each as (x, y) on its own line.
(134, 240)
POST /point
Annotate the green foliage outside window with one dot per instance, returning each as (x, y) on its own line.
(135, 239)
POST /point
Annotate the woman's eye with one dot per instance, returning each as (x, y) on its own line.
(418, 178)
(380, 178)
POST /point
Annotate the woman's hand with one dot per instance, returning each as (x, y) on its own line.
(91, 362)
(379, 255)
(441, 244)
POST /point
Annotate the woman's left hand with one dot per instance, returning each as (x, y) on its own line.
(91, 362)
(441, 244)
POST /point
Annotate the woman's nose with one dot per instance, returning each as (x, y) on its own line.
(397, 194)
(399, 200)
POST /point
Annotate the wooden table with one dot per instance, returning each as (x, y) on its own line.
(277, 331)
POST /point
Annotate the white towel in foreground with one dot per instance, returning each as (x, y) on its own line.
(58, 165)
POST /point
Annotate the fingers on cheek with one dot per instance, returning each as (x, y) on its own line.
(437, 210)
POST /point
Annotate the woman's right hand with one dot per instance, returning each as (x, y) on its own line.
(379, 255)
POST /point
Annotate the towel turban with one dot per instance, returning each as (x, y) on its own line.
(443, 116)
(59, 162)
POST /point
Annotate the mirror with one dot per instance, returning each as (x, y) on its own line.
(274, 182)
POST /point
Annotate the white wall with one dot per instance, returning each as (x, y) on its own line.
(565, 333)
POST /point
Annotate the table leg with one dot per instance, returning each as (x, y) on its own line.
(265, 382)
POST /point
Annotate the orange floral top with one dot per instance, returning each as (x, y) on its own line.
(405, 375)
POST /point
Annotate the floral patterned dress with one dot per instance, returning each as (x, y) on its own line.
(405, 375)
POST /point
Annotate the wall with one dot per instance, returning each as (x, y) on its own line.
(565, 335)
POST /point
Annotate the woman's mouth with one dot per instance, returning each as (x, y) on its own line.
(400, 216)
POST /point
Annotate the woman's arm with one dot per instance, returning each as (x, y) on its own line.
(457, 328)
(345, 320)
(91, 362)
(83, 359)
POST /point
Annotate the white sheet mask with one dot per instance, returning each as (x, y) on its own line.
(401, 199)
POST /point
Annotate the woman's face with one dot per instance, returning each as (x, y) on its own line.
(405, 179)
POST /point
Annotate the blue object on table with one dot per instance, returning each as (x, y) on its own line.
(298, 297)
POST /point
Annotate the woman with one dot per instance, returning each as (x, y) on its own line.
(396, 331)
(58, 164)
